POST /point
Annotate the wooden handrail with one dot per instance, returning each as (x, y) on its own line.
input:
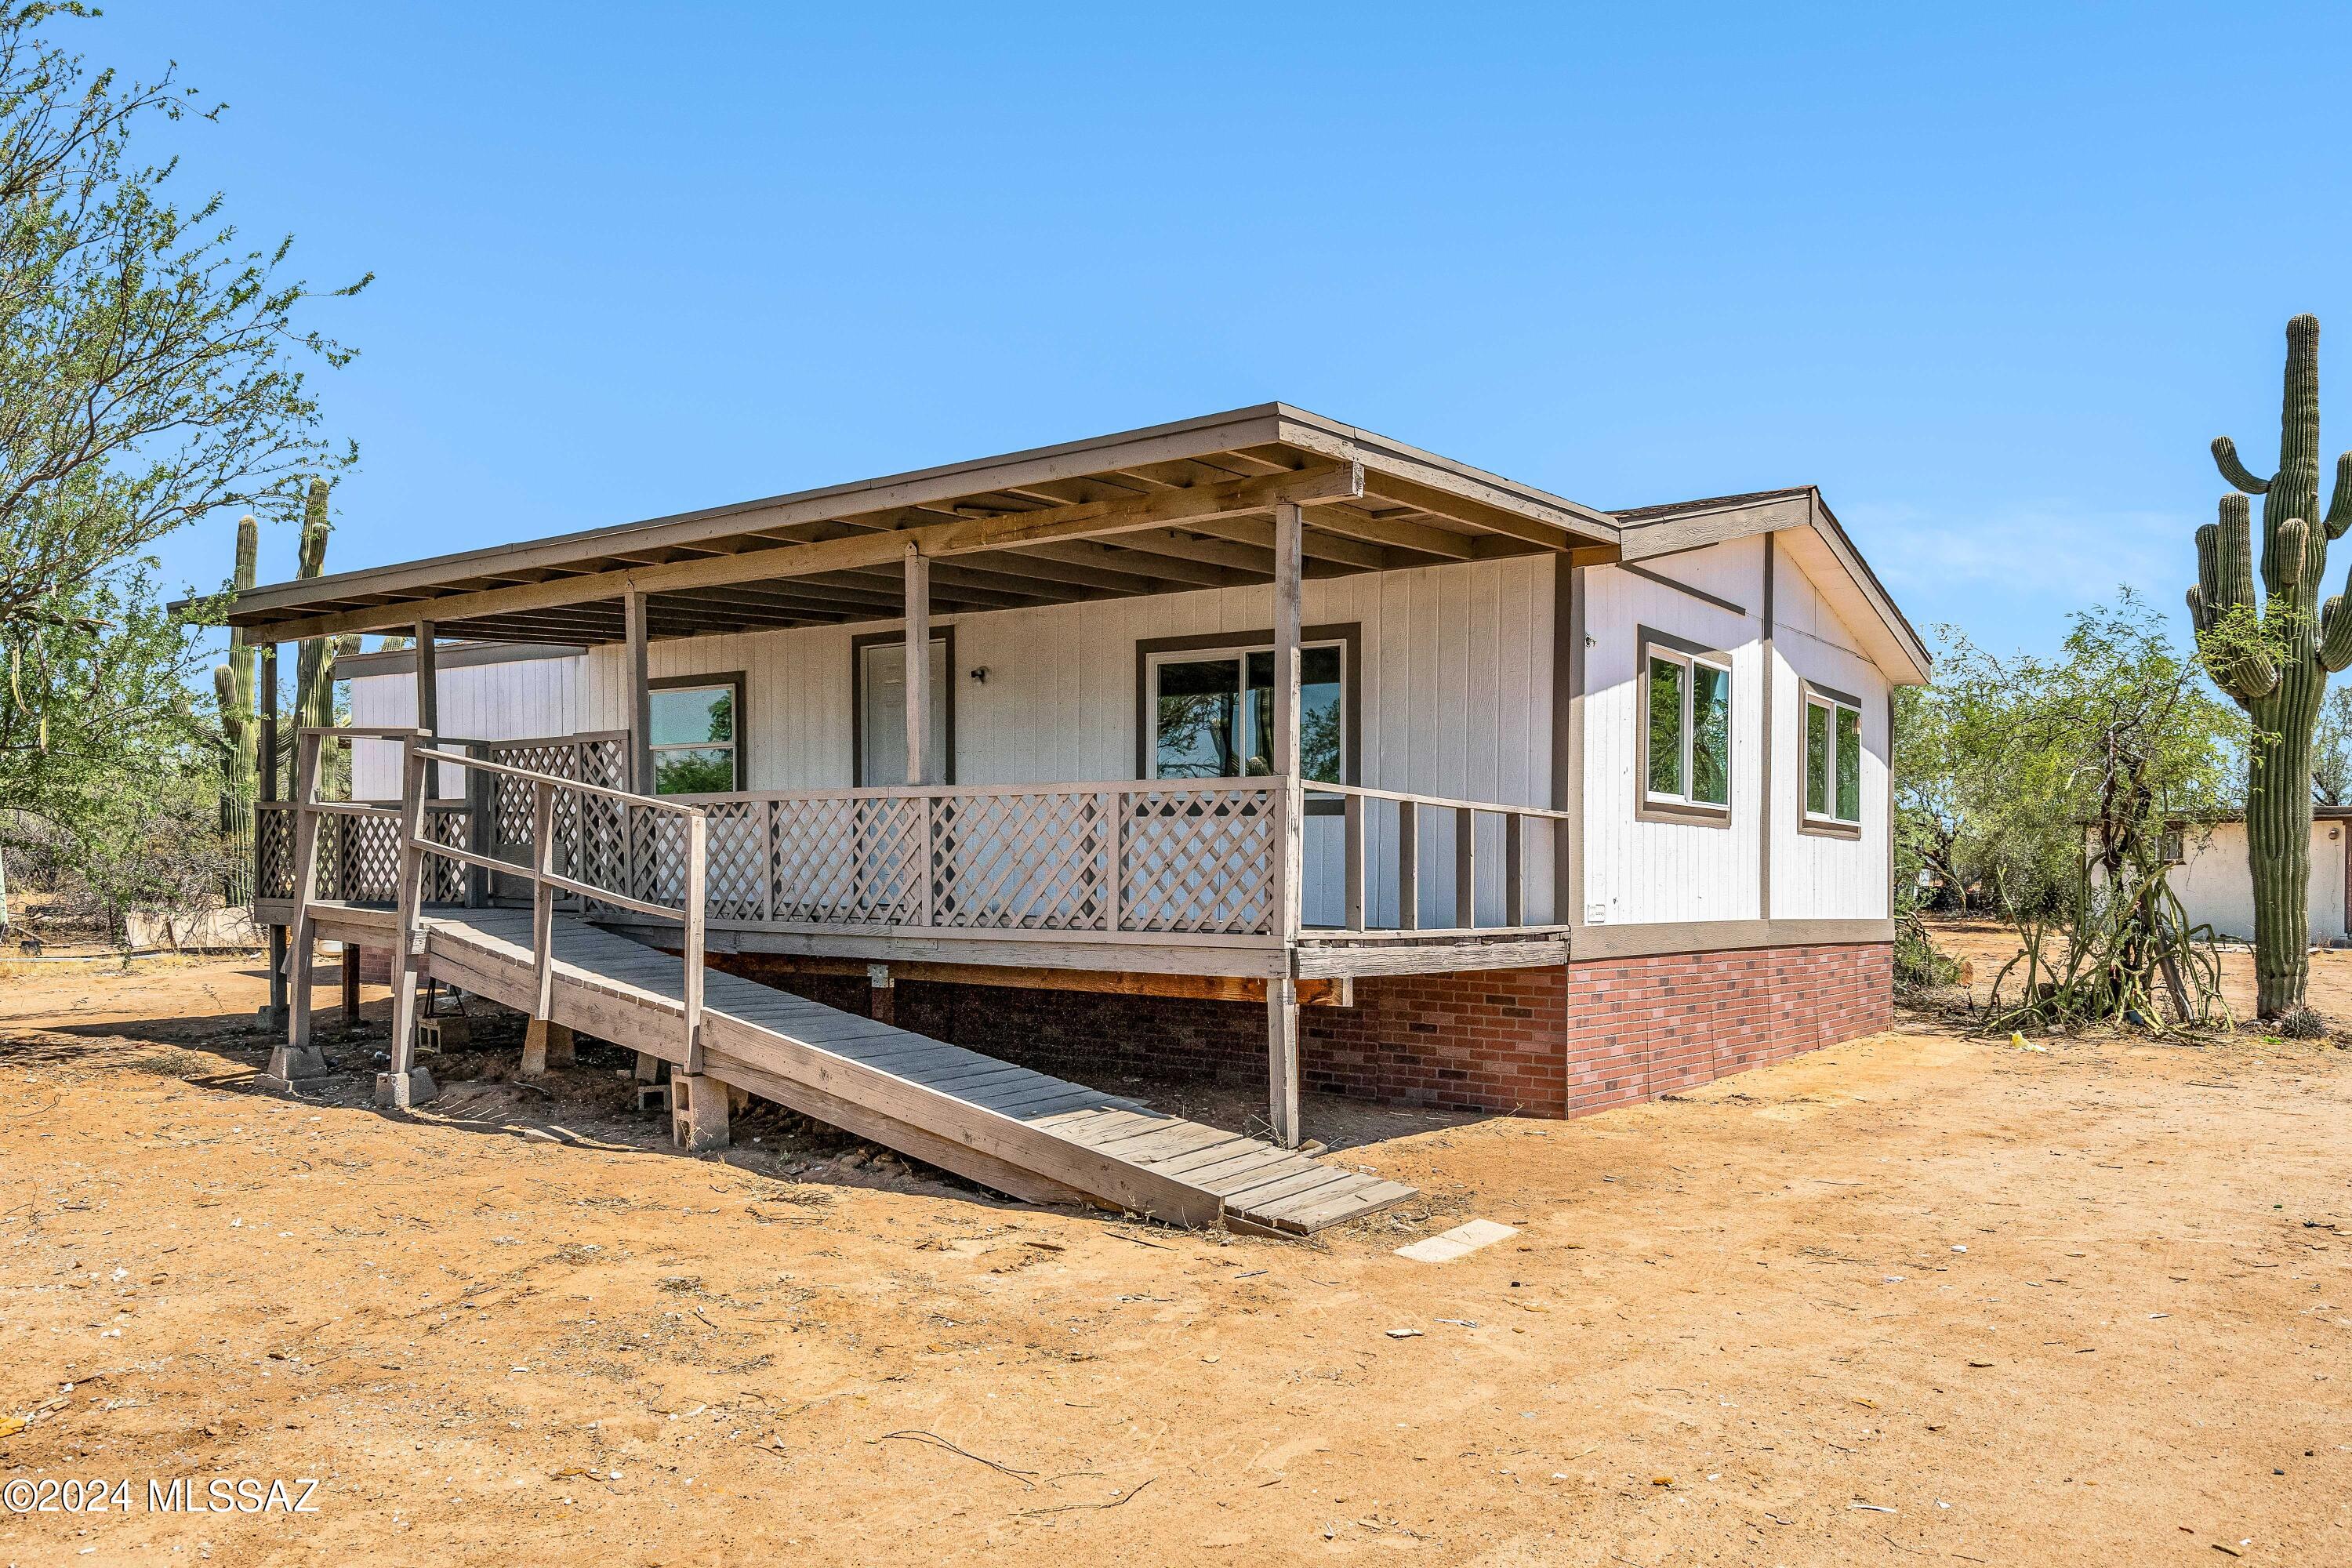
(459, 760)
(360, 732)
(417, 764)
(1442, 802)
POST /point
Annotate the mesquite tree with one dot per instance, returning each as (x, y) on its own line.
(2274, 657)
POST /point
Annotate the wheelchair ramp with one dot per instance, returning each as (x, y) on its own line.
(1020, 1131)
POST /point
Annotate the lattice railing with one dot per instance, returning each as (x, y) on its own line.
(359, 855)
(1109, 858)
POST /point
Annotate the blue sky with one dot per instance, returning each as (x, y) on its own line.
(1991, 276)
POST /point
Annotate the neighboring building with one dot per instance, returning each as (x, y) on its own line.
(2217, 890)
(1655, 743)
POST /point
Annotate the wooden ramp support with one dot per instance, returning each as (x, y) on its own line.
(1019, 1132)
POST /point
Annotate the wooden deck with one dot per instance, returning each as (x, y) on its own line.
(1009, 1128)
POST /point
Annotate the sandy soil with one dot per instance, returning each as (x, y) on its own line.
(1915, 1296)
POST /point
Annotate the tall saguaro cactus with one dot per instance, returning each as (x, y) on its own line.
(314, 676)
(2274, 657)
(232, 686)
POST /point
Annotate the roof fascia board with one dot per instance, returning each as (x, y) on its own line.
(1075, 459)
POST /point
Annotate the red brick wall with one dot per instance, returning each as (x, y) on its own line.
(1541, 1042)
(1648, 1026)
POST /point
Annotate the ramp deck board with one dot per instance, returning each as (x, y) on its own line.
(1022, 1132)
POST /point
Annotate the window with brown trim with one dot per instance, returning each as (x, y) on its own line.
(1204, 706)
(1685, 727)
(697, 738)
(1829, 788)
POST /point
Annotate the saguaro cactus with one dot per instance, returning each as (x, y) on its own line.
(2274, 657)
(314, 669)
(232, 686)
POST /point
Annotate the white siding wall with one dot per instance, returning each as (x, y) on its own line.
(1815, 876)
(485, 702)
(2216, 890)
(1456, 701)
(1639, 872)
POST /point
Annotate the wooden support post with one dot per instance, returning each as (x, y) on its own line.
(1290, 527)
(481, 822)
(1282, 1059)
(639, 675)
(1282, 994)
(1466, 867)
(698, 863)
(1354, 869)
(546, 1044)
(881, 994)
(407, 1084)
(276, 1014)
(1408, 866)
(698, 1112)
(296, 1058)
(1515, 874)
(542, 898)
(428, 682)
(351, 986)
(921, 764)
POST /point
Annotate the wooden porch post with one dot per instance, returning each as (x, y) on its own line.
(407, 1084)
(269, 791)
(1290, 811)
(641, 700)
(428, 681)
(919, 767)
(296, 1056)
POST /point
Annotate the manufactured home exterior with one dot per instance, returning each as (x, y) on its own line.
(1589, 806)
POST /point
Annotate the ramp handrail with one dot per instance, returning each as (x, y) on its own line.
(418, 759)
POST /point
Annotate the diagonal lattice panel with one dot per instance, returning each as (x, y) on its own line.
(1020, 861)
(735, 881)
(1199, 860)
(273, 841)
(847, 860)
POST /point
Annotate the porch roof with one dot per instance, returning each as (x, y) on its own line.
(1164, 509)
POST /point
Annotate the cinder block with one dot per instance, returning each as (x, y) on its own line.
(698, 1112)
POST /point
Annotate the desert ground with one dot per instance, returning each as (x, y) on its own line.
(1920, 1296)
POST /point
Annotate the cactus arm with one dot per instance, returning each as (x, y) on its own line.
(2234, 473)
(2339, 505)
(2224, 600)
(2334, 651)
(2288, 542)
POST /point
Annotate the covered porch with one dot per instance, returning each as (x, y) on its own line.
(1244, 875)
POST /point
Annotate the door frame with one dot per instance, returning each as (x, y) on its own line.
(945, 696)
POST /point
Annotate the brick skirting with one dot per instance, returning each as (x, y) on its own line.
(1540, 1042)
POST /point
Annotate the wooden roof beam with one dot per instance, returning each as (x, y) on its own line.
(1123, 559)
(1316, 544)
(1394, 532)
(1139, 516)
(1462, 509)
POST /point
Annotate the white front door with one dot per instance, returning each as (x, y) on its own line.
(882, 723)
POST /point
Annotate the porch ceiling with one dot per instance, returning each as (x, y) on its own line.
(1166, 510)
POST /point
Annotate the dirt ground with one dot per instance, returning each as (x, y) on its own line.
(1917, 1296)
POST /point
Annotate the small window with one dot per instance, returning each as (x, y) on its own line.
(2175, 847)
(1833, 760)
(1688, 713)
(695, 742)
(1212, 713)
